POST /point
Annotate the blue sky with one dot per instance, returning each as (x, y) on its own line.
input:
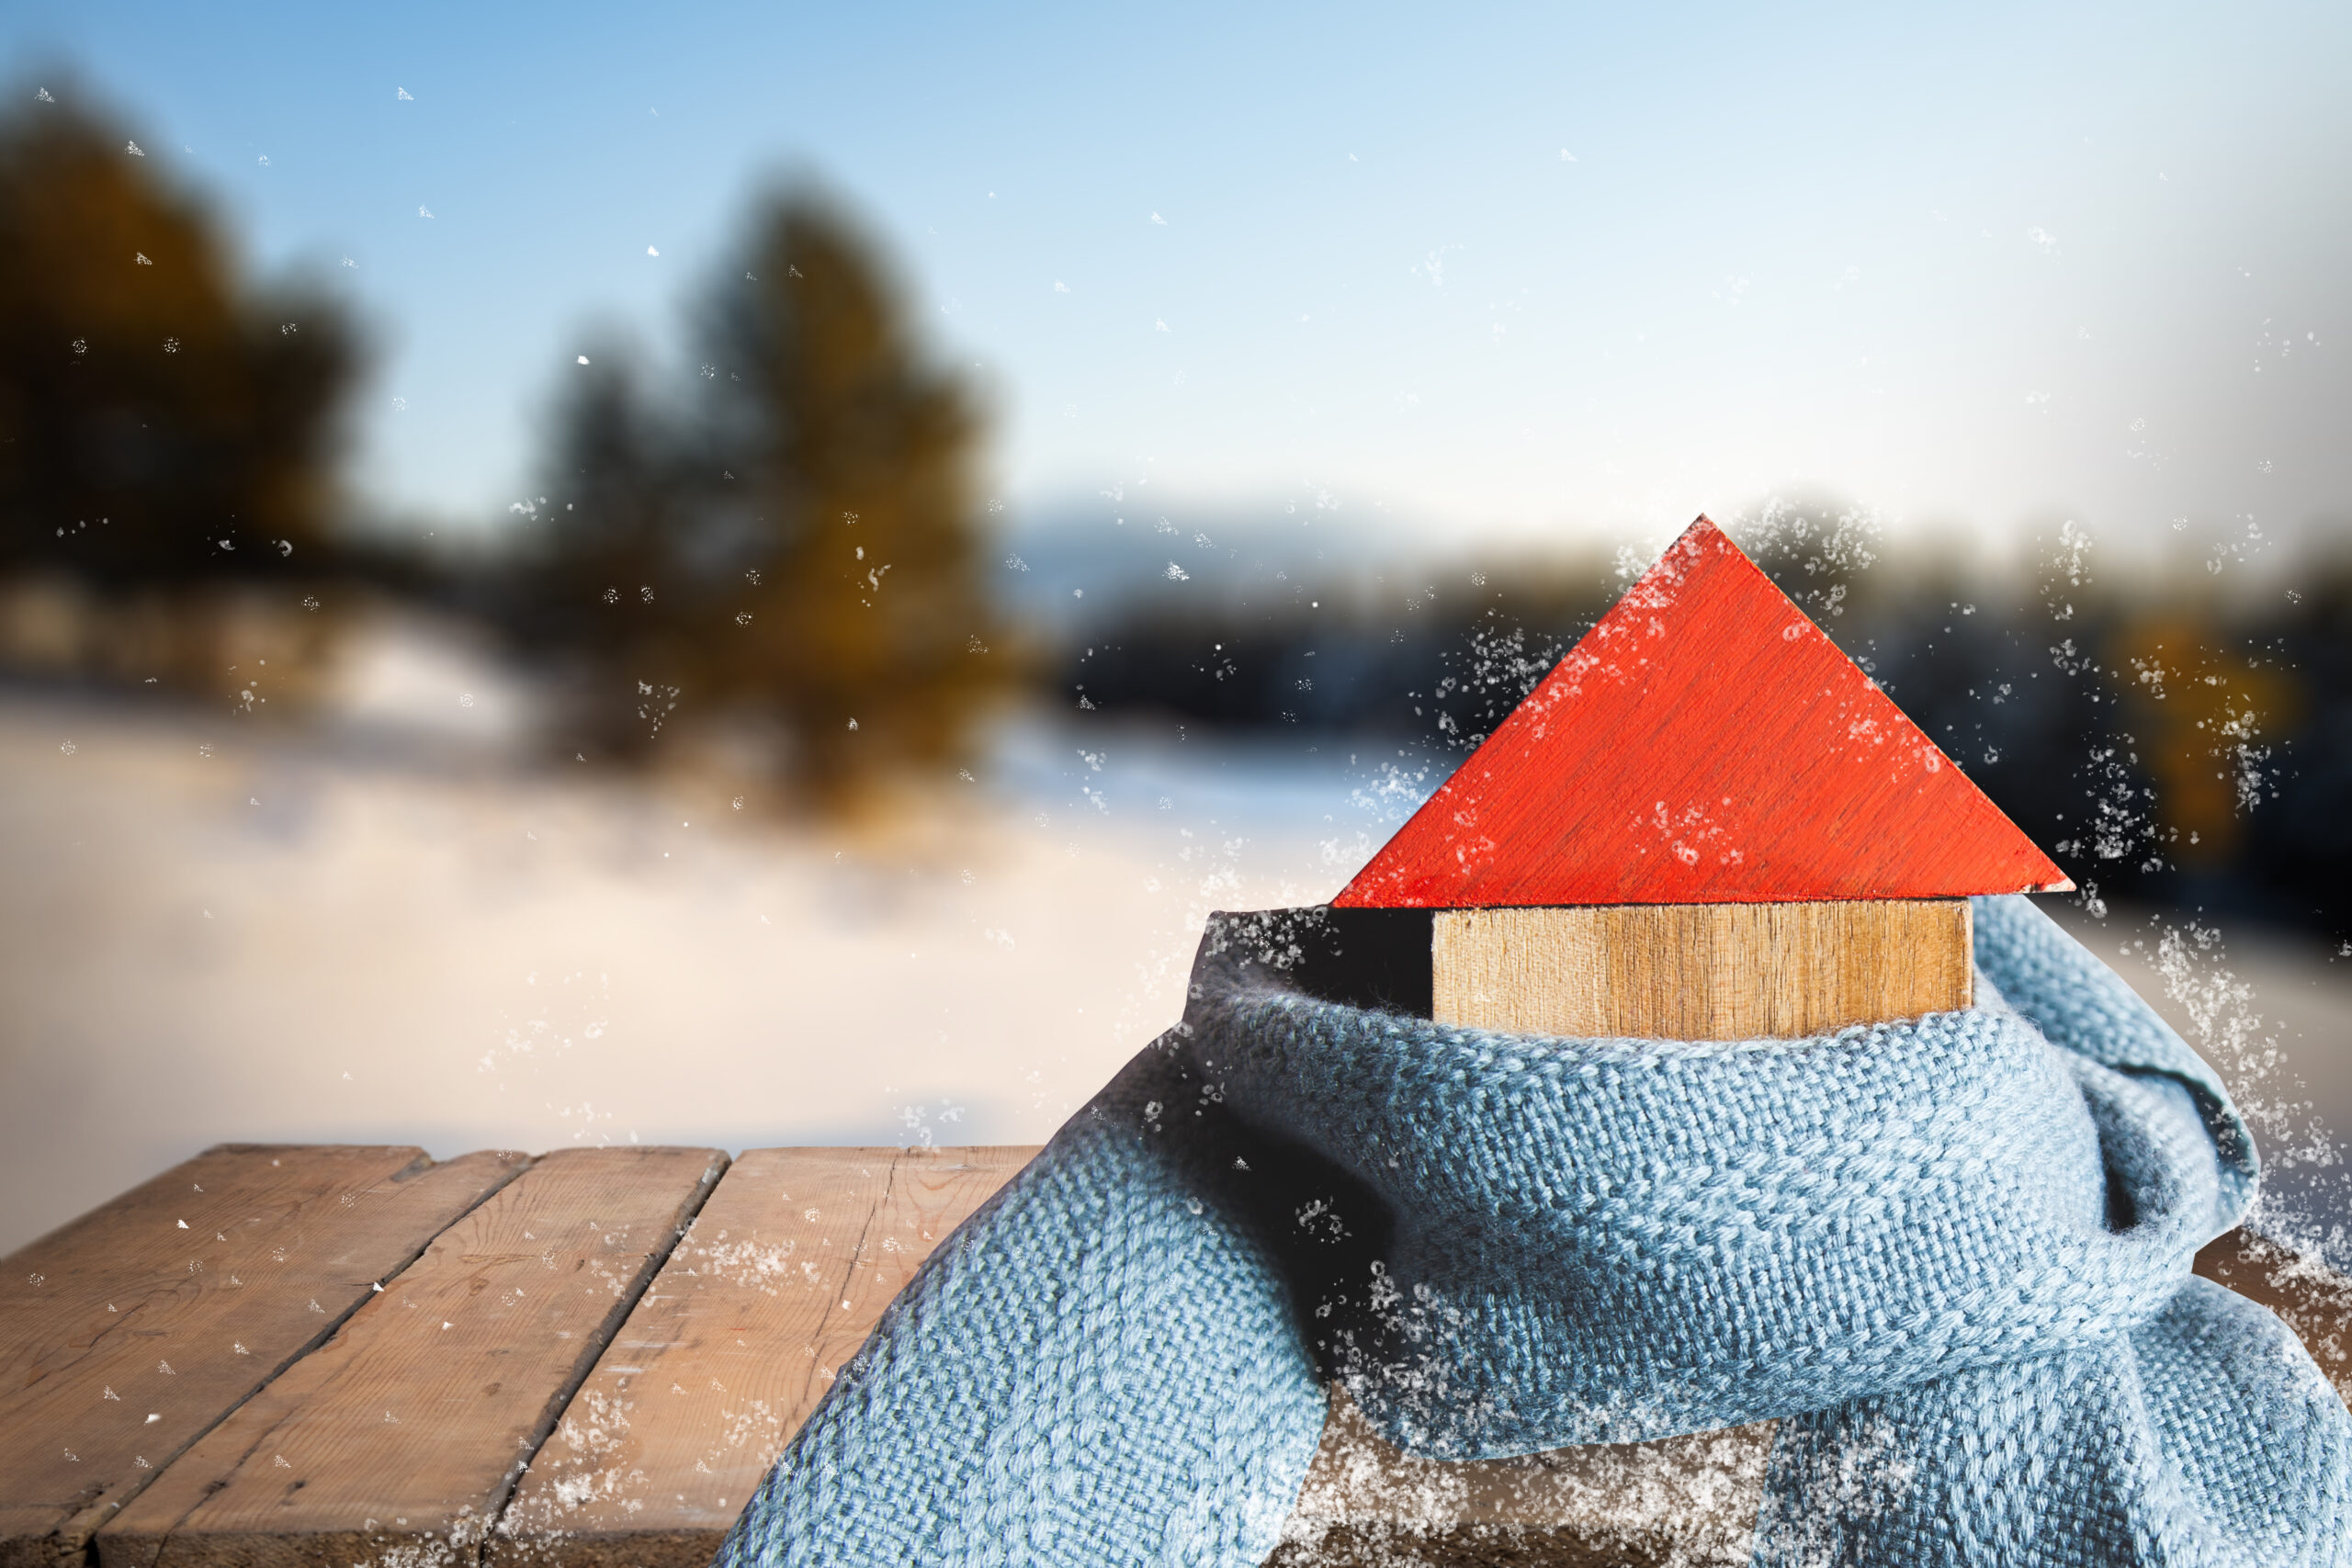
(1472, 270)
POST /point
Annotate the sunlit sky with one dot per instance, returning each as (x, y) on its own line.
(1497, 269)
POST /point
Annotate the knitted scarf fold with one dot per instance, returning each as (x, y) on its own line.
(1952, 1255)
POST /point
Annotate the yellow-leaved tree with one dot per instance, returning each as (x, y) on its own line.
(159, 421)
(800, 540)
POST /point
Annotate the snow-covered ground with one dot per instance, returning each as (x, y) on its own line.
(214, 930)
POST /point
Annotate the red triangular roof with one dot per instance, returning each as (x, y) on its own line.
(1705, 743)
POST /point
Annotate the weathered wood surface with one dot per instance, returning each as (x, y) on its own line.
(125, 1335)
(1699, 971)
(697, 1385)
(402, 1434)
(780, 1280)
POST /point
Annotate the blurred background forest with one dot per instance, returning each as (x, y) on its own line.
(782, 568)
(171, 432)
(284, 863)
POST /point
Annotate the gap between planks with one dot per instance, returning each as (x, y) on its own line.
(781, 1279)
(734, 1331)
(730, 1299)
(225, 1270)
(404, 1433)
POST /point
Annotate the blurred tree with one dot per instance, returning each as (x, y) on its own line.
(2302, 846)
(862, 616)
(2208, 722)
(157, 423)
(807, 549)
(624, 500)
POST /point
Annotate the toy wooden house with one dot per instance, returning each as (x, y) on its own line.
(1705, 823)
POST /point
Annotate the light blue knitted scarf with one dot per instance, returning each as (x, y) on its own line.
(1952, 1255)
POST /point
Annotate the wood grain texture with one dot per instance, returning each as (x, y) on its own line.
(781, 1278)
(126, 1335)
(1699, 971)
(400, 1436)
(1686, 1501)
(709, 1374)
(1703, 743)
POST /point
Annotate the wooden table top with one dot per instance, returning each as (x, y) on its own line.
(312, 1356)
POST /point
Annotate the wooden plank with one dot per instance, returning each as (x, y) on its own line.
(1703, 743)
(1699, 971)
(402, 1434)
(781, 1278)
(126, 1335)
(1688, 1501)
(2309, 1297)
(719, 1363)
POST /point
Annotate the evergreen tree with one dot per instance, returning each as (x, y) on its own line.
(807, 546)
(604, 586)
(157, 421)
